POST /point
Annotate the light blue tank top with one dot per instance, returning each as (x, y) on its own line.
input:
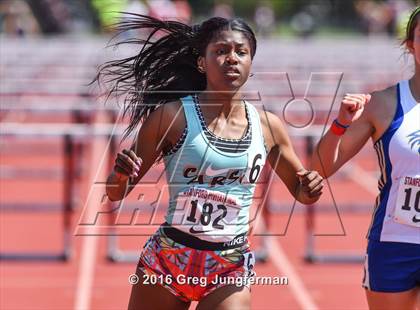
(210, 190)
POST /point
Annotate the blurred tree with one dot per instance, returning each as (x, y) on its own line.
(108, 11)
(330, 13)
(201, 8)
(245, 8)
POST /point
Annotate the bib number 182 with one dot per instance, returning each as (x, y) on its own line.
(207, 214)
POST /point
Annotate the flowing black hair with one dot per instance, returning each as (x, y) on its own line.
(165, 69)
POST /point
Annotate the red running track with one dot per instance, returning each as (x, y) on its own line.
(56, 285)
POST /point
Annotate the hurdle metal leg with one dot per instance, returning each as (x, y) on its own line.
(68, 185)
(311, 255)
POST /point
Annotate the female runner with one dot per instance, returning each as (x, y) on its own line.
(213, 145)
(391, 118)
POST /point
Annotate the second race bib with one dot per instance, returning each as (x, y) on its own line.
(407, 209)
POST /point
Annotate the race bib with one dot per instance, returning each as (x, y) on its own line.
(202, 211)
(249, 263)
(407, 209)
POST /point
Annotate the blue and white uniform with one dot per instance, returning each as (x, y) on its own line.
(393, 256)
(211, 179)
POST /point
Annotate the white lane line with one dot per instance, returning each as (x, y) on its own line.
(282, 263)
(90, 242)
(86, 273)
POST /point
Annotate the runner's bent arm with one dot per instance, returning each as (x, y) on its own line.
(333, 151)
(305, 186)
(149, 143)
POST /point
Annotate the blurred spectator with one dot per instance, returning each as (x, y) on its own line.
(53, 16)
(311, 17)
(175, 10)
(264, 18)
(183, 10)
(16, 18)
(223, 9)
(162, 9)
(376, 16)
(137, 7)
(303, 24)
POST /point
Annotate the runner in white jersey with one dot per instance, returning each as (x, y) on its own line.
(214, 146)
(391, 118)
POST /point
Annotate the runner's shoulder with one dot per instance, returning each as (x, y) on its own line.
(168, 121)
(168, 110)
(273, 128)
(268, 118)
(381, 99)
(169, 115)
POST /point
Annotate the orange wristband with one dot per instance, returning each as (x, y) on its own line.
(337, 128)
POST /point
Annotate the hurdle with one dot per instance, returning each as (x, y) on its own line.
(69, 133)
(311, 255)
(81, 112)
(68, 183)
